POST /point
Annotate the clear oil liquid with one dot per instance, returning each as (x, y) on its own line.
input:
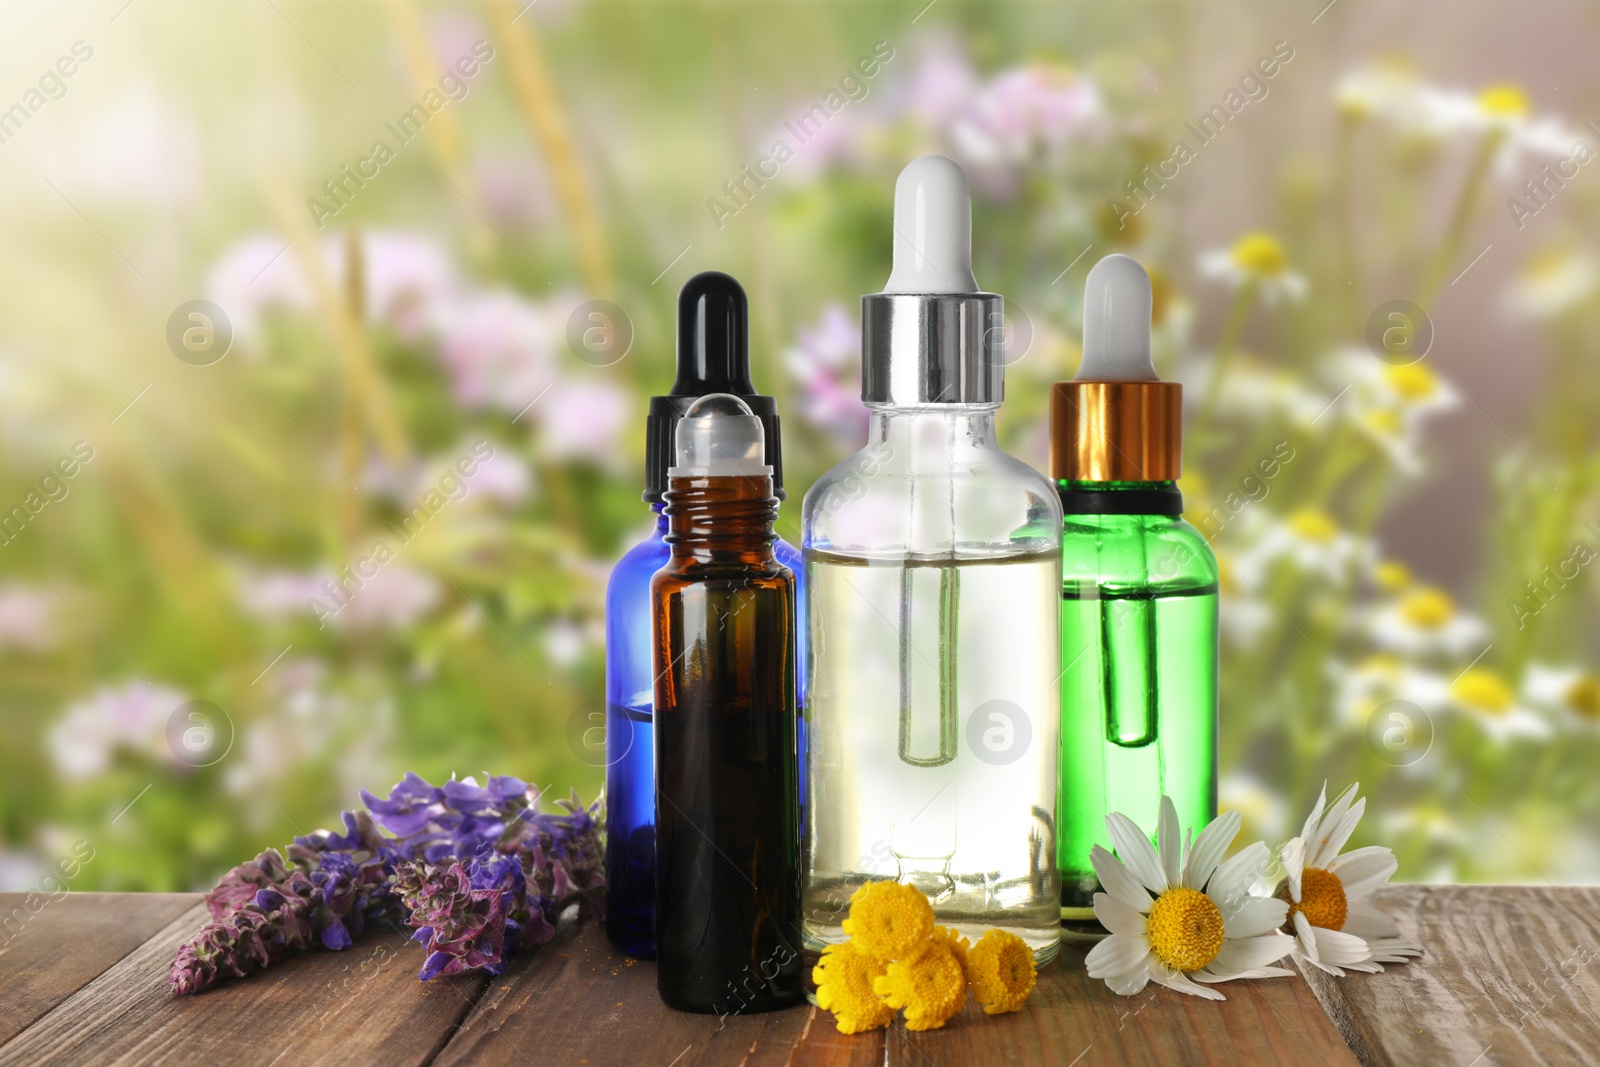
(931, 717)
(1139, 717)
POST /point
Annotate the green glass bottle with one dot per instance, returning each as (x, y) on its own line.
(1138, 595)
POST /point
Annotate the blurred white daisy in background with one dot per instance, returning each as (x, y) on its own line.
(1255, 392)
(1262, 810)
(132, 718)
(1245, 615)
(1388, 89)
(1180, 916)
(1570, 693)
(1485, 695)
(1256, 259)
(1424, 620)
(1308, 539)
(1334, 927)
(1553, 283)
(1390, 403)
(1364, 688)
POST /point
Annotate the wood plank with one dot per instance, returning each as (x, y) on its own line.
(1074, 1019)
(48, 954)
(363, 1005)
(1511, 976)
(577, 1000)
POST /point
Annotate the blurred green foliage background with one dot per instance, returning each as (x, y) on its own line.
(356, 518)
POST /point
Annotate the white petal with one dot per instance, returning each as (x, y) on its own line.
(1249, 953)
(1339, 948)
(1364, 869)
(1116, 955)
(1133, 849)
(1118, 917)
(1368, 923)
(1254, 917)
(1393, 949)
(1177, 980)
(1118, 880)
(1307, 936)
(1260, 972)
(1335, 831)
(1208, 849)
(1169, 842)
(1129, 984)
(1234, 877)
(1293, 858)
(1314, 820)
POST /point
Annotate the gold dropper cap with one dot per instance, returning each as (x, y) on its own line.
(1116, 431)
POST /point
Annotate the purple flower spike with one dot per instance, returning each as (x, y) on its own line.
(479, 871)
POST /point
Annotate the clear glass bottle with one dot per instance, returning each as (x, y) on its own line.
(932, 568)
(713, 356)
(1138, 594)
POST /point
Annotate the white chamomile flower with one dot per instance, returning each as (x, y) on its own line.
(1423, 620)
(1310, 540)
(1553, 283)
(1485, 695)
(1181, 917)
(1573, 693)
(1256, 259)
(1335, 929)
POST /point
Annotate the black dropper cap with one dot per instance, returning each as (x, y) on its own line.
(713, 357)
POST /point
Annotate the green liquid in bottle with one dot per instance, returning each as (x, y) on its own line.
(1139, 688)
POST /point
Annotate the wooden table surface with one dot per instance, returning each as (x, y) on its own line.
(1511, 976)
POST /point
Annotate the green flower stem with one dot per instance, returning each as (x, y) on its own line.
(1461, 219)
(1227, 345)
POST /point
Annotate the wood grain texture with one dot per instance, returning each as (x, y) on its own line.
(50, 949)
(363, 1005)
(1511, 976)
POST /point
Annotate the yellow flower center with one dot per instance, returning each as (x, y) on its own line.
(1412, 382)
(1260, 254)
(1185, 929)
(1313, 525)
(1384, 421)
(1504, 101)
(1485, 690)
(1583, 696)
(1322, 899)
(1427, 608)
(1393, 576)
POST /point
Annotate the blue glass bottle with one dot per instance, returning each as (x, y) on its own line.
(713, 357)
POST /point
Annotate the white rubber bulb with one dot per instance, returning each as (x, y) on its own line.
(1116, 323)
(932, 229)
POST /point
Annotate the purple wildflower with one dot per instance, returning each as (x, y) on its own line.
(479, 870)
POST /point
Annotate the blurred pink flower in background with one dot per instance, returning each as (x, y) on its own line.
(498, 348)
(132, 717)
(394, 598)
(406, 273)
(254, 276)
(1022, 116)
(584, 418)
(27, 618)
(826, 363)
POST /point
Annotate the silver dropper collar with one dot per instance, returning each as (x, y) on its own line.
(931, 337)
